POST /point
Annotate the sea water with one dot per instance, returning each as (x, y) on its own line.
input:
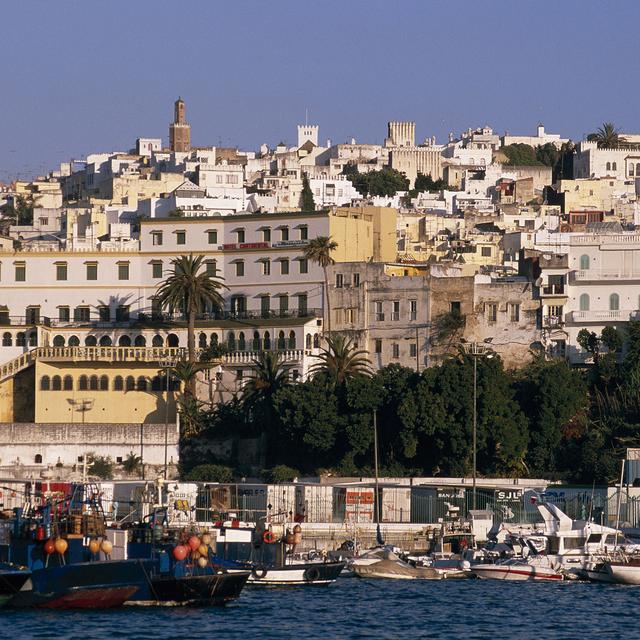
(354, 608)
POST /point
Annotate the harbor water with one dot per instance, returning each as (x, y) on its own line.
(355, 608)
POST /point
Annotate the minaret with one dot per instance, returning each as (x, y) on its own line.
(179, 130)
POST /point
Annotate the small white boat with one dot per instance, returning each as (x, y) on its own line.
(535, 569)
(624, 571)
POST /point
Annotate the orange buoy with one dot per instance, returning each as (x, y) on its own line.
(180, 552)
(202, 562)
(269, 537)
(203, 550)
(49, 546)
(194, 542)
(297, 529)
(106, 547)
(94, 546)
(206, 538)
(61, 546)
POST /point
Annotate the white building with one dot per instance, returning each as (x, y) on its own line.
(591, 161)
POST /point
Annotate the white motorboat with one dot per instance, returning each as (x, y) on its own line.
(538, 568)
(624, 570)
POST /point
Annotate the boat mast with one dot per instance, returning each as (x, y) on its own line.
(619, 501)
(377, 490)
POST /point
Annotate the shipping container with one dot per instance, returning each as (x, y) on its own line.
(395, 504)
(353, 504)
(314, 503)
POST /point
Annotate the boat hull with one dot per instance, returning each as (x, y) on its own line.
(12, 579)
(623, 573)
(86, 585)
(518, 573)
(214, 589)
(321, 573)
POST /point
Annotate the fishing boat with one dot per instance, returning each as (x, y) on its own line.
(12, 579)
(538, 568)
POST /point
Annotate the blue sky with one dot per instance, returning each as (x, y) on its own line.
(81, 76)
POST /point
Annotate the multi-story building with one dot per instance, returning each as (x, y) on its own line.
(591, 161)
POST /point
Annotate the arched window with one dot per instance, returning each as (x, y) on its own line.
(281, 341)
(292, 340)
(214, 339)
(118, 383)
(93, 383)
(58, 341)
(308, 341)
(638, 169)
(141, 383)
(242, 343)
(614, 302)
(33, 339)
(38, 459)
(124, 341)
(130, 383)
(7, 339)
(140, 341)
(83, 383)
(105, 341)
(608, 166)
(172, 340)
(90, 341)
(584, 262)
(56, 383)
(231, 341)
(614, 166)
(74, 341)
(256, 341)
(67, 383)
(104, 383)
(157, 341)
(267, 341)
(316, 341)
(584, 302)
(156, 383)
(202, 341)
(21, 339)
(45, 383)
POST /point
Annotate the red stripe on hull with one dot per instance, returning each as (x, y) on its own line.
(106, 598)
(534, 576)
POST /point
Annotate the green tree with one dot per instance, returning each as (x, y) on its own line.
(279, 474)
(385, 182)
(340, 361)
(520, 154)
(307, 203)
(319, 251)
(607, 136)
(101, 467)
(190, 289)
(427, 183)
(132, 463)
(210, 473)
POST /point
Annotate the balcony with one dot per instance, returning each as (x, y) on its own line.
(551, 322)
(553, 290)
(587, 275)
(602, 316)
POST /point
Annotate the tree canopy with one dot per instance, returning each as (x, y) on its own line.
(385, 182)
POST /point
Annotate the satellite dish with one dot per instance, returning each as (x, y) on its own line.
(538, 282)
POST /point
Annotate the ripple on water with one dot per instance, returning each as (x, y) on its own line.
(354, 609)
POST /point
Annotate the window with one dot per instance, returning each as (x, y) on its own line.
(492, 312)
(377, 345)
(395, 314)
(45, 383)
(21, 339)
(514, 312)
(240, 268)
(485, 252)
(413, 309)
(395, 350)
(212, 236)
(284, 234)
(304, 265)
(304, 233)
(7, 339)
(413, 349)
(355, 279)
(584, 262)
(122, 313)
(349, 316)
(83, 383)
(123, 271)
(302, 304)
(104, 313)
(379, 311)
(92, 270)
(339, 281)
(266, 267)
(454, 307)
(61, 271)
(211, 268)
(181, 237)
(156, 238)
(64, 314)
(156, 270)
(20, 272)
(614, 302)
(265, 306)
(74, 341)
(284, 267)
(67, 383)
(631, 170)
(608, 166)
(614, 166)
(284, 305)
(32, 315)
(584, 302)
(240, 235)
(81, 314)
(104, 383)
(266, 235)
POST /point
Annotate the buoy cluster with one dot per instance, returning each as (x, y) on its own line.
(57, 545)
(95, 546)
(195, 548)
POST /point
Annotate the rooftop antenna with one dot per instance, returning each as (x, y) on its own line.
(306, 116)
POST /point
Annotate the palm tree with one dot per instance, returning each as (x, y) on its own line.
(190, 290)
(188, 404)
(319, 250)
(341, 360)
(607, 136)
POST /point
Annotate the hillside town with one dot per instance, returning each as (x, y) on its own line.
(525, 246)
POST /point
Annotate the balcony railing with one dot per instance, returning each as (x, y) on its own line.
(602, 316)
(552, 321)
(605, 274)
(553, 290)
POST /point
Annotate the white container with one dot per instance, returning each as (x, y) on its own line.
(282, 498)
(314, 503)
(395, 504)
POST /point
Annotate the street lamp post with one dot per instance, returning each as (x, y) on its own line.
(476, 350)
(166, 364)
